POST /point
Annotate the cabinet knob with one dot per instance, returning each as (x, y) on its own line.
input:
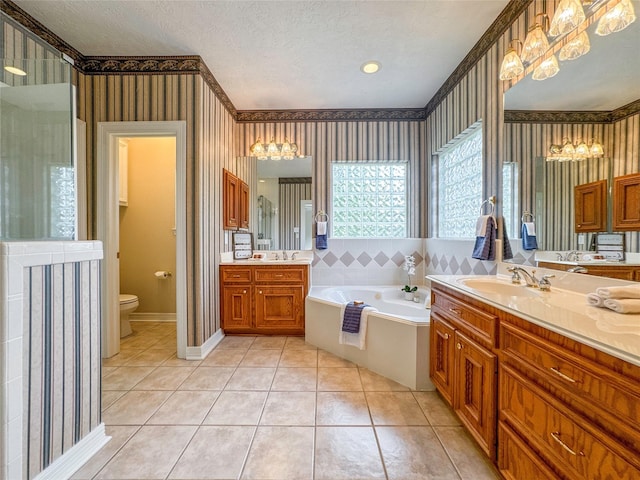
(260, 292)
(446, 336)
(459, 346)
(244, 291)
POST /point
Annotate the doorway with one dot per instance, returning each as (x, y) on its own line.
(109, 135)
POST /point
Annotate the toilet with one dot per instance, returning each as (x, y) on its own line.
(128, 304)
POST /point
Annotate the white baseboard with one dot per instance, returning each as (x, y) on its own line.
(152, 317)
(76, 456)
(200, 353)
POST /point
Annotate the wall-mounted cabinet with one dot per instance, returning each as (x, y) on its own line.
(591, 207)
(236, 201)
(626, 203)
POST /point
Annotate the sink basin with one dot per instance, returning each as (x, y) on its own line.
(498, 287)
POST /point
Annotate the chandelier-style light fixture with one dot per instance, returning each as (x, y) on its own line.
(617, 19)
(536, 43)
(511, 66)
(575, 48)
(274, 151)
(567, 17)
(547, 69)
(578, 152)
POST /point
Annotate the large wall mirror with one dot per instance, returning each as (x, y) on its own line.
(595, 97)
(283, 213)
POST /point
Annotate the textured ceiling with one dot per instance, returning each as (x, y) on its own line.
(270, 55)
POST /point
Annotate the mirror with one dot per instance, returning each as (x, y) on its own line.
(587, 96)
(283, 209)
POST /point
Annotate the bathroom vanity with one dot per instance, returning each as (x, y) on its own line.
(264, 298)
(548, 386)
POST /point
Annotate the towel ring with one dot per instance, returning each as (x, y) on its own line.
(490, 202)
(526, 215)
(321, 216)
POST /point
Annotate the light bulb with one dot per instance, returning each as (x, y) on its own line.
(511, 65)
(568, 16)
(535, 45)
(546, 69)
(575, 48)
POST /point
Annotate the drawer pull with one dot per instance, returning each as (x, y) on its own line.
(446, 336)
(260, 292)
(455, 310)
(244, 291)
(278, 275)
(557, 371)
(235, 276)
(459, 346)
(556, 437)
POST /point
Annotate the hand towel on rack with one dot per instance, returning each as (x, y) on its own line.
(358, 339)
(321, 235)
(529, 241)
(506, 246)
(627, 291)
(485, 246)
(623, 305)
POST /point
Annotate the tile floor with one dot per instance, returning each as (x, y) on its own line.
(269, 408)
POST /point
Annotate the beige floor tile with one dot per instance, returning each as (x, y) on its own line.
(237, 408)
(395, 408)
(138, 341)
(121, 358)
(372, 382)
(413, 453)
(298, 343)
(342, 408)
(174, 361)
(436, 410)
(468, 459)
(119, 436)
(228, 357)
(268, 343)
(347, 453)
(261, 358)
(134, 408)
(299, 358)
(280, 453)
(124, 378)
(108, 370)
(184, 408)
(338, 380)
(242, 343)
(289, 408)
(251, 378)
(151, 453)
(110, 396)
(208, 378)
(295, 379)
(326, 359)
(201, 461)
(150, 357)
(164, 378)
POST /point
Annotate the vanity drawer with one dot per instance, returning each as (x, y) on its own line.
(600, 393)
(235, 274)
(568, 441)
(280, 275)
(477, 323)
(516, 461)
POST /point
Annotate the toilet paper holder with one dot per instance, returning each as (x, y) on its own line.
(162, 274)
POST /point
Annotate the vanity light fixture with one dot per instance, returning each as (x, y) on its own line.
(15, 70)
(536, 43)
(617, 19)
(370, 67)
(567, 16)
(547, 69)
(578, 152)
(511, 66)
(575, 48)
(274, 151)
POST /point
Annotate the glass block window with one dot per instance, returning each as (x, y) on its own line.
(460, 187)
(369, 200)
(63, 203)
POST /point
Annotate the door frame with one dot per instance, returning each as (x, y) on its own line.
(108, 228)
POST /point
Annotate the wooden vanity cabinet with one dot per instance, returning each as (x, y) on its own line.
(263, 299)
(626, 203)
(235, 201)
(591, 207)
(463, 363)
(620, 271)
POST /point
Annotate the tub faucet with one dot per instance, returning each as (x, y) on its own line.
(529, 278)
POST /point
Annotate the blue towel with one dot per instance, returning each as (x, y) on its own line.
(506, 246)
(321, 242)
(529, 242)
(352, 314)
(485, 247)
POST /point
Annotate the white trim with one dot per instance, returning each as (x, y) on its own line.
(76, 456)
(201, 352)
(152, 317)
(108, 225)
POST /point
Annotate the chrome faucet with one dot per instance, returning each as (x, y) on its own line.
(573, 255)
(293, 255)
(544, 284)
(276, 256)
(284, 255)
(529, 278)
(578, 269)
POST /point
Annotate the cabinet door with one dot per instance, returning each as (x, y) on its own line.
(626, 202)
(236, 308)
(441, 366)
(244, 205)
(230, 199)
(475, 391)
(591, 207)
(280, 309)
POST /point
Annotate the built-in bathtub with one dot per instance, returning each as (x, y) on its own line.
(397, 344)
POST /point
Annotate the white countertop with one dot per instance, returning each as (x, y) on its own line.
(303, 257)
(563, 311)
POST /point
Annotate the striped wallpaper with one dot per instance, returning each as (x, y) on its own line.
(291, 193)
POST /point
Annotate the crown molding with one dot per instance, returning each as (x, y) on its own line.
(335, 115)
(626, 111)
(507, 17)
(139, 65)
(564, 116)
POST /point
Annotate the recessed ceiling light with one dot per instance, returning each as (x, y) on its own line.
(370, 67)
(15, 70)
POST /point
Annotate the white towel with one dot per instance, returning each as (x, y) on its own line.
(531, 228)
(623, 305)
(359, 339)
(595, 300)
(627, 291)
(321, 228)
(481, 225)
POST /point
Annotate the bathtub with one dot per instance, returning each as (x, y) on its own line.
(397, 334)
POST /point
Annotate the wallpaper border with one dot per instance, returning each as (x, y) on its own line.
(331, 115)
(562, 116)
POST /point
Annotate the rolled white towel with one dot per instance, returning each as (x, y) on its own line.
(623, 305)
(627, 291)
(595, 300)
